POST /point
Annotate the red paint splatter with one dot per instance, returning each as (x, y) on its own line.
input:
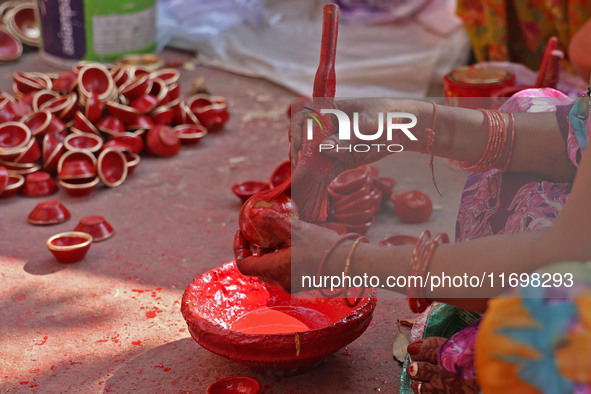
(74, 362)
(163, 367)
(52, 367)
(33, 385)
(42, 342)
(151, 314)
(115, 338)
(25, 382)
(101, 383)
(182, 329)
(102, 340)
(137, 343)
(138, 290)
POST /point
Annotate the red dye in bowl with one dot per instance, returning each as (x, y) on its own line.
(244, 319)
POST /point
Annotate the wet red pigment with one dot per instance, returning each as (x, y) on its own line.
(137, 343)
(43, 341)
(268, 321)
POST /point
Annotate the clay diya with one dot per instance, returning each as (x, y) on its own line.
(190, 134)
(281, 174)
(95, 80)
(39, 184)
(162, 115)
(15, 184)
(148, 61)
(163, 141)
(110, 125)
(167, 75)
(349, 181)
(235, 385)
(96, 226)
(14, 136)
(84, 141)
(23, 23)
(245, 190)
(53, 150)
(142, 122)
(124, 113)
(79, 164)
(57, 106)
(40, 97)
(69, 247)
(37, 122)
(49, 212)
(137, 87)
(325, 324)
(79, 187)
(82, 124)
(93, 108)
(30, 153)
(65, 82)
(213, 116)
(10, 46)
(126, 141)
(159, 90)
(399, 240)
(112, 167)
(144, 104)
(24, 83)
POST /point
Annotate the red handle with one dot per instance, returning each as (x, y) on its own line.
(325, 81)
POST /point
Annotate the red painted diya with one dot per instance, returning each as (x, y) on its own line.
(281, 174)
(96, 226)
(235, 385)
(216, 306)
(69, 247)
(39, 184)
(10, 47)
(79, 187)
(49, 212)
(112, 167)
(15, 184)
(245, 190)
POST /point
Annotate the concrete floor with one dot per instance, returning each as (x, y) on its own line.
(112, 322)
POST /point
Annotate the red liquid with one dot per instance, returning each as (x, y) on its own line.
(279, 320)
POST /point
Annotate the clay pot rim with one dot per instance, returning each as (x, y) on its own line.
(35, 168)
(168, 81)
(147, 60)
(100, 171)
(19, 183)
(96, 138)
(197, 135)
(133, 83)
(78, 234)
(121, 107)
(136, 159)
(16, 149)
(52, 155)
(24, 151)
(67, 104)
(19, 46)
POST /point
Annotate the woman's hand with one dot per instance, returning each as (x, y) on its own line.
(368, 121)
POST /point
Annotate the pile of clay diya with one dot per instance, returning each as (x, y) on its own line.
(245, 320)
(355, 197)
(70, 246)
(91, 125)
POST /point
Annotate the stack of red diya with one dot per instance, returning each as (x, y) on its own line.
(356, 195)
(92, 123)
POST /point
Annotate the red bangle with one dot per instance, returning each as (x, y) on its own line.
(497, 138)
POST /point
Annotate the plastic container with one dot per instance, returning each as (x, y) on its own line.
(98, 30)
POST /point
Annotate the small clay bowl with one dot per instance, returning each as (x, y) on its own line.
(354, 218)
(124, 113)
(213, 117)
(6, 113)
(190, 134)
(39, 184)
(129, 140)
(144, 104)
(71, 108)
(96, 226)
(137, 87)
(56, 126)
(198, 101)
(79, 187)
(14, 136)
(281, 174)
(110, 125)
(178, 112)
(15, 184)
(69, 247)
(360, 204)
(93, 108)
(95, 79)
(77, 164)
(85, 141)
(159, 90)
(112, 167)
(49, 212)
(37, 122)
(10, 46)
(25, 82)
(163, 141)
(30, 153)
(162, 115)
(142, 122)
(65, 82)
(349, 181)
(235, 385)
(41, 97)
(245, 190)
(167, 75)
(133, 159)
(56, 106)
(361, 228)
(52, 157)
(190, 117)
(82, 124)
(399, 240)
(23, 22)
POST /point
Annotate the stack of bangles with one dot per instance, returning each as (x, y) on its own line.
(419, 264)
(495, 145)
(358, 238)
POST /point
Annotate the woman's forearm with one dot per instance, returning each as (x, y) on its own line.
(461, 134)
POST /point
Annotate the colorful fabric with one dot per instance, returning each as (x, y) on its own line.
(539, 339)
(517, 30)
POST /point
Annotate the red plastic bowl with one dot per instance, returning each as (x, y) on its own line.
(96, 226)
(235, 385)
(49, 212)
(69, 247)
(215, 301)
